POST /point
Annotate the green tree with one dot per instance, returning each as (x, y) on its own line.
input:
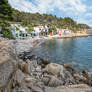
(5, 17)
(5, 10)
(52, 29)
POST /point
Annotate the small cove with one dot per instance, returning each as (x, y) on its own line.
(75, 51)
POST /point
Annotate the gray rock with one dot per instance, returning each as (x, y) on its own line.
(23, 89)
(54, 69)
(36, 89)
(59, 71)
(31, 66)
(30, 79)
(72, 88)
(8, 61)
(54, 81)
(38, 69)
(45, 80)
(21, 64)
(19, 77)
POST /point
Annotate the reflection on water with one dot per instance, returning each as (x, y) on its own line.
(76, 51)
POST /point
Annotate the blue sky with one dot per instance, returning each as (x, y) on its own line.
(79, 10)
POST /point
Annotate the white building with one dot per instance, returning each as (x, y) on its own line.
(88, 31)
(64, 31)
(18, 31)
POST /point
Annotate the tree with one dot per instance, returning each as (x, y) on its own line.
(5, 10)
(5, 17)
(52, 29)
(24, 23)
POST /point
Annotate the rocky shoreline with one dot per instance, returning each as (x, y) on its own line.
(22, 73)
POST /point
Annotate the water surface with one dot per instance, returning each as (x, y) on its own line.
(75, 51)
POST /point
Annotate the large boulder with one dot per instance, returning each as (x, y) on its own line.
(54, 81)
(8, 61)
(60, 72)
(54, 69)
(18, 77)
(31, 66)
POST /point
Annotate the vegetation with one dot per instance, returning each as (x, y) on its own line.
(30, 29)
(42, 19)
(52, 29)
(5, 17)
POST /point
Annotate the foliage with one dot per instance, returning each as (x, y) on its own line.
(21, 32)
(24, 23)
(30, 29)
(50, 30)
(6, 33)
(5, 17)
(5, 10)
(17, 28)
(4, 23)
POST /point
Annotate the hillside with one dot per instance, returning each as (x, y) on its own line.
(9, 15)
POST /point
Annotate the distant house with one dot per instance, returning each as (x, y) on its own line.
(15, 32)
(64, 31)
(37, 30)
(19, 31)
(88, 31)
(40, 29)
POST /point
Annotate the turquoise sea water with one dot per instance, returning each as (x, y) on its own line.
(75, 51)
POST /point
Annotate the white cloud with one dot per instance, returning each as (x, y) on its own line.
(48, 5)
(89, 14)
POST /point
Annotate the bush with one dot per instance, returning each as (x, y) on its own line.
(6, 33)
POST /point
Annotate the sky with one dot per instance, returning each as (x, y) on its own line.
(79, 10)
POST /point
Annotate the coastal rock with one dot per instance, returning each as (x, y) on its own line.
(21, 64)
(30, 79)
(70, 88)
(36, 89)
(80, 78)
(22, 89)
(45, 80)
(34, 86)
(61, 73)
(53, 68)
(44, 61)
(26, 45)
(18, 77)
(38, 69)
(69, 68)
(67, 78)
(30, 67)
(85, 74)
(54, 81)
(8, 61)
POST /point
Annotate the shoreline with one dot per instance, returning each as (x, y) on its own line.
(67, 36)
